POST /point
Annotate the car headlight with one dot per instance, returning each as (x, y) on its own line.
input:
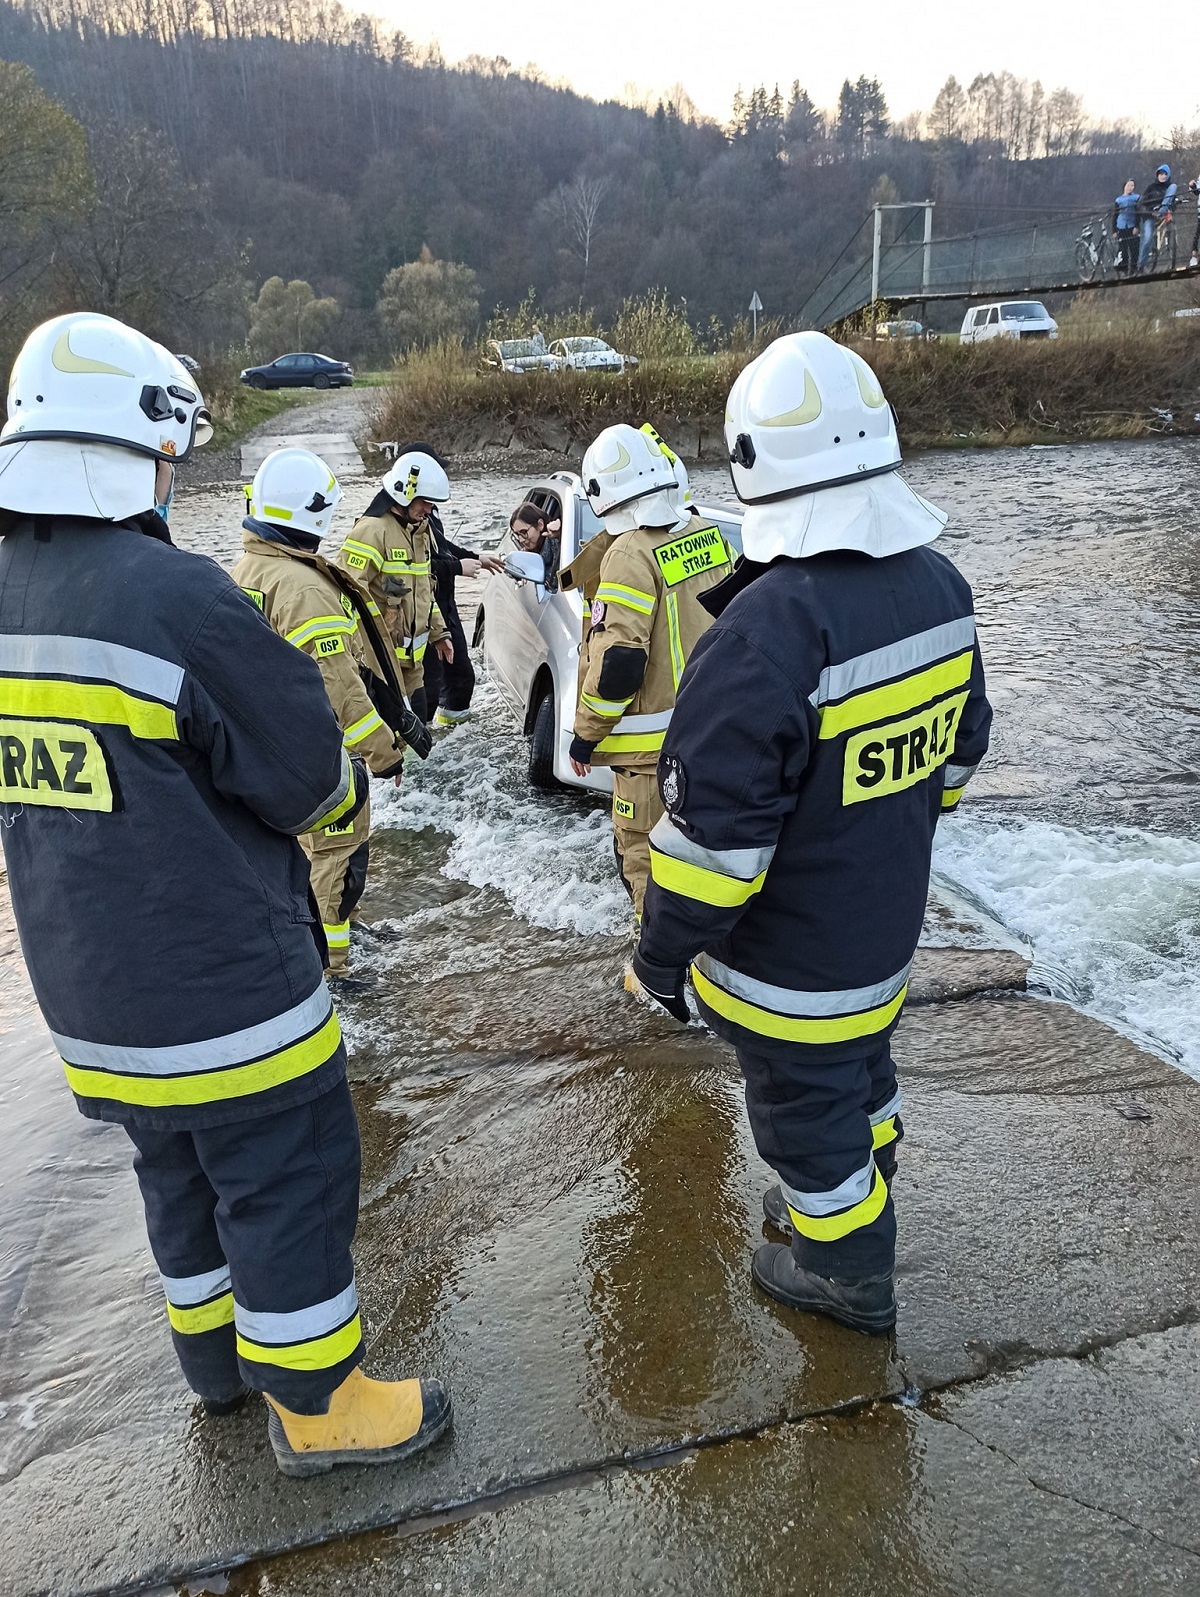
(246, 373)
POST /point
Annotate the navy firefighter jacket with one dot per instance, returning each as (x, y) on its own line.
(160, 748)
(832, 712)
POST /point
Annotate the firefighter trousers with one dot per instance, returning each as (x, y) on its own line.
(250, 1225)
(827, 1121)
(338, 858)
(637, 806)
(412, 675)
(449, 686)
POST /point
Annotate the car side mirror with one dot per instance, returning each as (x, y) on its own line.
(523, 565)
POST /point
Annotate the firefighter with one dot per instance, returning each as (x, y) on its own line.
(390, 549)
(161, 749)
(450, 685)
(831, 714)
(319, 609)
(644, 584)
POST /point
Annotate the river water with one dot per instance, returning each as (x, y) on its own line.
(1082, 832)
(1081, 836)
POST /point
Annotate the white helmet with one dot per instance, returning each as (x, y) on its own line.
(813, 453)
(92, 405)
(295, 489)
(682, 480)
(630, 482)
(417, 475)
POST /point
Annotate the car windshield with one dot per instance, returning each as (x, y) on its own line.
(585, 346)
(1024, 310)
(515, 348)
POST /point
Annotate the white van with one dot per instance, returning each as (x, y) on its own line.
(1009, 318)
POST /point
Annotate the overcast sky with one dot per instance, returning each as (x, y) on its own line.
(1110, 54)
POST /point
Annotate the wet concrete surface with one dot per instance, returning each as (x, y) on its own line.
(560, 1201)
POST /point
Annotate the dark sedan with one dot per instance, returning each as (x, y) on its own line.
(300, 371)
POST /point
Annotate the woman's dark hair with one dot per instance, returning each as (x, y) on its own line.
(529, 514)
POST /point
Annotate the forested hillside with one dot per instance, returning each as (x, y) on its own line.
(229, 143)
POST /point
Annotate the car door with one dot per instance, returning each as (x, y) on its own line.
(283, 372)
(512, 643)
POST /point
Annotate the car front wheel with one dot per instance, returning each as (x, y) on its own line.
(541, 744)
(258, 381)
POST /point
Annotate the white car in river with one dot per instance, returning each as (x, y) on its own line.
(531, 633)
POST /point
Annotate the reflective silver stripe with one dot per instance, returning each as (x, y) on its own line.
(892, 1107)
(339, 793)
(818, 1204)
(186, 1291)
(744, 864)
(789, 1001)
(658, 722)
(86, 657)
(416, 643)
(216, 1053)
(894, 660)
(957, 775)
(302, 1325)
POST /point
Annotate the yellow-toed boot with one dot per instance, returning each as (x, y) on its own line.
(367, 1422)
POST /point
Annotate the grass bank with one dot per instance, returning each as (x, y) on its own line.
(236, 408)
(1095, 386)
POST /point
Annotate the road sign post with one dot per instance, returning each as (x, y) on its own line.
(756, 305)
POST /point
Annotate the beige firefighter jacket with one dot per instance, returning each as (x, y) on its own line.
(392, 559)
(305, 606)
(644, 620)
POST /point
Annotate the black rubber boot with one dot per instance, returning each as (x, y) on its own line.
(370, 932)
(349, 986)
(218, 1407)
(868, 1305)
(775, 1210)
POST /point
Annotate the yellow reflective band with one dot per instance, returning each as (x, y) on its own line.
(631, 598)
(206, 1317)
(884, 1132)
(53, 764)
(210, 1086)
(694, 881)
(336, 813)
(362, 729)
(320, 627)
(607, 707)
(363, 552)
(880, 704)
(677, 660)
(631, 742)
(832, 1227)
(276, 513)
(87, 701)
(797, 1028)
(338, 936)
(690, 555)
(890, 758)
(320, 1354)
(951, 796)
(418, 653)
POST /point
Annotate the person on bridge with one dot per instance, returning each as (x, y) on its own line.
(1155, 200)
(163, 749)
(321, 610)
(834, 710)
(390, 548)
(1125, 226)
(643, 578)
(1194, 185)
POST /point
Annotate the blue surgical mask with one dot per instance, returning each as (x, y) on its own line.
(164, 509)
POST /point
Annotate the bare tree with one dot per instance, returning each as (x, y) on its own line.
(578, 204)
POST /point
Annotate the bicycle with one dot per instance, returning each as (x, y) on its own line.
(1094, 254)
(1165, 244)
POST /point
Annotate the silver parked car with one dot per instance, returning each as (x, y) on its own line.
(589, 355)
(531, 631)
(518, 355)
